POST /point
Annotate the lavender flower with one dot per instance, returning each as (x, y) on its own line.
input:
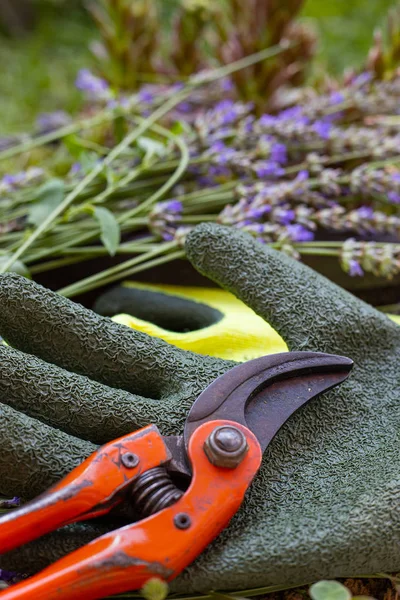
(268, 170)
(363, 220)
(259, 198)
(94, 87)
(10, 183)
(298, 233)
(10, 503)
(48, 122)
(9, 577)
(218, 121)
(181, 234)
(303, 127)
(164, 219)
(278, 153)
(354, 268)
(146, 94)
(382, 260)
(376, 183)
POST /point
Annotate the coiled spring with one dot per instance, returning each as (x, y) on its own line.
(153, 491)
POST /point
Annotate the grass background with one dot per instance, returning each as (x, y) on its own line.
(38, 71)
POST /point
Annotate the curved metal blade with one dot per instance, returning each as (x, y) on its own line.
(262, 393)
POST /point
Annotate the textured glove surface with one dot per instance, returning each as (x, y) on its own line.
(325, 501)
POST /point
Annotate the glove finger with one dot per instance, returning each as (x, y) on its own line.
(40, 322)
(33, 455)
(73, 403)
(308, 310)
(166, 310)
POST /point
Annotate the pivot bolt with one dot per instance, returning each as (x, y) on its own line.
(226, 446)
(130, 460)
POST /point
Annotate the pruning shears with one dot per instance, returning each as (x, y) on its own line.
(184, 489)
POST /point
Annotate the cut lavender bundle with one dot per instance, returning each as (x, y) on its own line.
(6, 503)
(383, 184)
(303, 179)
(164, 219)
(382, 260)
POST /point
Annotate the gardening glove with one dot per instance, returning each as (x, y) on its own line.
(204, 320)
(325, 502)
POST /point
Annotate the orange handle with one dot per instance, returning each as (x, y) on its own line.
(161, 545)
(89, 490)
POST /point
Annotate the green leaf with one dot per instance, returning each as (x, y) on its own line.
(151, 146)
(18, 267)
(180, 127)
(155, 589)
(48, 197)
(329, 590)
(110, 230)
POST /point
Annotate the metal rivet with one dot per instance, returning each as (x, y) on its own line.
(130, 460)
(226, 446)
(182, 521)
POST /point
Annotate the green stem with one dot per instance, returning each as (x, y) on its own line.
(171, 181)
(122, 249)
(127, 141)
(77, 287)
(317, 251)
(389, 308)
(58, 134)
(55, 264)
(68, 292)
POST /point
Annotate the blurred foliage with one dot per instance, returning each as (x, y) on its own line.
(345, 29)
(137, 45)
(41, 67)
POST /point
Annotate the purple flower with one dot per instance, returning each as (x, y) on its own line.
(94, 87)
(268, 169)
(12, 180)
(47, 122)
(394, 197)
(145, 95)
(24, 178)
(173, 206)
(227, 84)
(302, 175)
(184, 107)
(223, 154)
(219, 171)
(295, 112)
(354, 269)
(298, 233)
(164, 218)
(336, 98)
(177, 87)
(278, 153)
(10, 503)
(322, 128)
(365, 212)
(267, 120)
(258, 212)
(217, 146)
(227, 110)
(284, 216)
(362, 79)
(9, 576)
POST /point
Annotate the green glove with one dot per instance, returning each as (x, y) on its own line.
(325, 501)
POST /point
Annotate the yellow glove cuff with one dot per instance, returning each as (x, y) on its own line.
(240, 335)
